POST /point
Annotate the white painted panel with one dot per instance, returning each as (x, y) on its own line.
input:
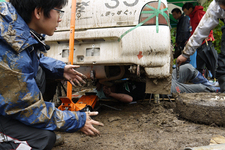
(104, 13)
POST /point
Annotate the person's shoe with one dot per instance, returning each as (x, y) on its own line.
(216, 83)
(201, 79)
(222, 83)
(59, 140)
(217, 89)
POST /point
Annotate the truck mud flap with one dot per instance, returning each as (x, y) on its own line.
(158, 86)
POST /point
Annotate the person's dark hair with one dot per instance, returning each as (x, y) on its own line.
(220, 2)
(188, 6)
(25, 8)
(177, 10)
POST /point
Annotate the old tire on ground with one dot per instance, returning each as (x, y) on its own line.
(207, 108)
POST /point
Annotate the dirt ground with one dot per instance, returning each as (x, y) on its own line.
(141, 126)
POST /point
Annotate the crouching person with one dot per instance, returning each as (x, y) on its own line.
(26, 120)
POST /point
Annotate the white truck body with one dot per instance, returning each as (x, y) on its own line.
(98, 42)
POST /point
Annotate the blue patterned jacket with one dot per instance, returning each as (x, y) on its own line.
(20, 97)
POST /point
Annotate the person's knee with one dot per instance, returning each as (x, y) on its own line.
(50, 138)
(189, 67)
(190, 70)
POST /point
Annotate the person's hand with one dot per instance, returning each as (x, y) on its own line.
(88, 128)
(180, 60)
(107, 90)
(72, 75)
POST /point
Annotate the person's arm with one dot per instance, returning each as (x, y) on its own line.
(122, 97)
(53, 68)
(21, 99)
(56, 69)
(119, 96)
(209, 21)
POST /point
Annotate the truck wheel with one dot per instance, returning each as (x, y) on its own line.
(207, 108)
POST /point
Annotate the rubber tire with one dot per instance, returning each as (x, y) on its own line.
(207, 108)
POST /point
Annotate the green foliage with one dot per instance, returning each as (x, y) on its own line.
(206, 4)
(217, 33)
(173, 35)
(173, 40)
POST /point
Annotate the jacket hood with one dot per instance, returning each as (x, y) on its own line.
(14, 31)
(196, 9)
